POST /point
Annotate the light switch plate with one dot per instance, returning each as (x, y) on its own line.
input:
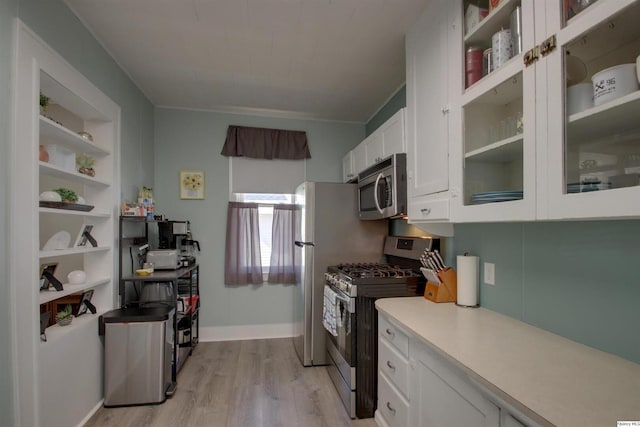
(489, 273)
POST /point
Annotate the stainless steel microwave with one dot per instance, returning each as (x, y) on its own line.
(382, 188)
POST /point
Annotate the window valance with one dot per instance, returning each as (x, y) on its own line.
(263, 143)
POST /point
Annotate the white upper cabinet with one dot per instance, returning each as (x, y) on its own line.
(557, 138)
(388, 139)
(360, 157)
(590, 166)
(431, 86)
(375, 147)
(427, 53)
(348, 167)
(494, 142)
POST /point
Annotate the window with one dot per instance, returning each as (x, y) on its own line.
(265, 213)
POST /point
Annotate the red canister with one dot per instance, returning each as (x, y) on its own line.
(474, 65)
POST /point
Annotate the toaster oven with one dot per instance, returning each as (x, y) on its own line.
(164, 259)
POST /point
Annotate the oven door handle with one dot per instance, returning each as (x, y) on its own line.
(349, 302)
(375, 192)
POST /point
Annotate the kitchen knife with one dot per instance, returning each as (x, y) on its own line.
(432, 264)
(423, 261)
(438, 257)
(430, 275)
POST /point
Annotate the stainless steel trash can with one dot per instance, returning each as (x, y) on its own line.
(138, 350)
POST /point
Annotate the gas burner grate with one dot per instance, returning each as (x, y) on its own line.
(374, 270)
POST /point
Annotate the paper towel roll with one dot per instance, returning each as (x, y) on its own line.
(468, 267)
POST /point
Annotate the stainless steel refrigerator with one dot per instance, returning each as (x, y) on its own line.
(328, 232)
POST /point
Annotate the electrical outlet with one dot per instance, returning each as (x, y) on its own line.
(489, 273)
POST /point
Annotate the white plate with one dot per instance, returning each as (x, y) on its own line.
(60, 240)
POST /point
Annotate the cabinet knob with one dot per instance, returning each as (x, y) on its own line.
(445, 109)
(390, 365)
(391, 408)
(390, 333)
(425, 211)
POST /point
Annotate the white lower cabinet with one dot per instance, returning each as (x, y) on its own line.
(393, 375)
(418, 387)
(442, 396)
(392, 406)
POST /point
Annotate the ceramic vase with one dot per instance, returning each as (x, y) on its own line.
(44, 155)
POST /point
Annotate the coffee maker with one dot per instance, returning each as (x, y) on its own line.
(177, 235)
(170, 233)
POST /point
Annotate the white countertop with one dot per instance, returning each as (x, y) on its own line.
(546, 376)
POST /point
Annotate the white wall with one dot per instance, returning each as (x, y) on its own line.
(193, 140)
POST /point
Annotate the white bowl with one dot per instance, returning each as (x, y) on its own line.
(77, 277)
(579, 98)
(50, 196)
(614, 82)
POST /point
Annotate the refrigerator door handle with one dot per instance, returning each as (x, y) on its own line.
(300, 244)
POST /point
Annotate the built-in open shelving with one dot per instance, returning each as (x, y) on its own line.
(63, 136)
(69, 289)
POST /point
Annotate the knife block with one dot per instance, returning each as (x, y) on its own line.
(446, 291)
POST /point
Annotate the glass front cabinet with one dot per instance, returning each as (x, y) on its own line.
(550, 109)
(593, 121)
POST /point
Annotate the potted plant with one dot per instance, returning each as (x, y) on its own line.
(44, 103)
(67, 196)
(64, 317)
(85, 164)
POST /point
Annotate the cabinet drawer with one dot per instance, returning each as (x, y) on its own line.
(428, 210)
(394, 335)
(393, 365)
(392, 406)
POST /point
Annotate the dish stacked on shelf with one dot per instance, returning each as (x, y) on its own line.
(496, 196)
(587, 187)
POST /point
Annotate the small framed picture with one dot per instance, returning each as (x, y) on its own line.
(85, 303)
(46, 272)
(192, 185)
(85, 236)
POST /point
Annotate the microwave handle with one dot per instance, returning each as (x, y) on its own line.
(375, 192)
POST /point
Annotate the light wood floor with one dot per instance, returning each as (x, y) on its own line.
(256, 383)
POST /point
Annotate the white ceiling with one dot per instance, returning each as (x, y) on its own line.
(322, 59)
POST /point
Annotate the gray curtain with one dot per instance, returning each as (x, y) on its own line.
(262, 143)
(242, 255)
(282, 264)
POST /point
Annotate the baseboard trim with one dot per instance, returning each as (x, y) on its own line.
(246, 332)
(91, 413)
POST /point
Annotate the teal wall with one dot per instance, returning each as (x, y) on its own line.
(62, 30)
(193, 140)
(8, 10)
(396, 102)
(576, 279)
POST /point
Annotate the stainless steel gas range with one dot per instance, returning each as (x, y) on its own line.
(352, 353)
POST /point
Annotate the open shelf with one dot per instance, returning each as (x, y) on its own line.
(502, 151)
(495, 87)
(63, 136)
(492, 23)
(93, 214)
(51, 170)
(55, 332)
(50, 295)
(72, 251)
(606, 120)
